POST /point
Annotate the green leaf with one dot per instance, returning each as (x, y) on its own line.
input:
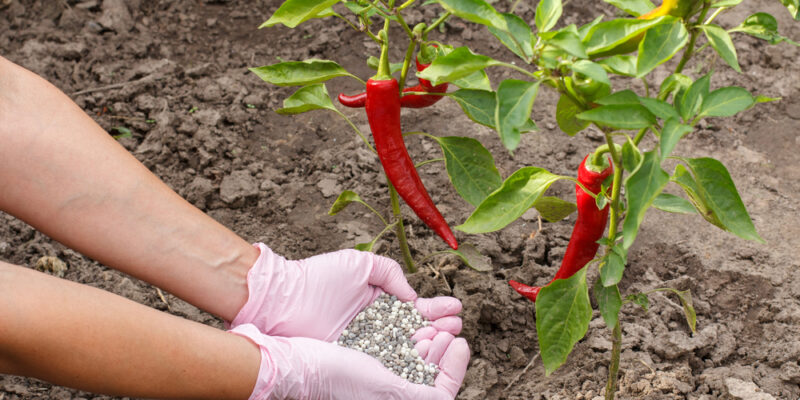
(477, 11)
(300, 73)
(693, 97)
(620, 64)
(726, 102)
(639, 299)
(642, 187)
(685, 297)
(514, 103)
(479, 105)
(344, 199)
(364, 246)
(726, 3)
(563, 313)
(674, 204)
(294, 12)
(518, 193)
(675, 83)
(660, 44)
(765, 99)
(609, 301)
(553, 209)
(592, 70)
(660, 108)
(478, 80)
(547, 14)
(566, 110)
(608, 35)
(631, 156)
(612, 266)
(622, 97)
(716, 188)
(632, 7)
(569, 42)
(470, 167)
(470, 255)
(518, 36)
(620, 116)
(760, 25)
(686, 181)
(672, 133)
(460, 63)
(794, 8)
(721, 42)
(123, 132)
(584, 30)
(307, 98)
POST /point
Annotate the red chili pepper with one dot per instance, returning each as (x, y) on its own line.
(406, 101)
(383, 113)
(589, 228)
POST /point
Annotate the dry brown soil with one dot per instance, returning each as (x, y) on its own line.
(205, 125)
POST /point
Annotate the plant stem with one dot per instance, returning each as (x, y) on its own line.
(616, 348)
(358, 131)
(687, 54)
(437, 22)
(400, 229)
(412, 45)
(613, 368)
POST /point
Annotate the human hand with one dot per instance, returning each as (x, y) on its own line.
(318, 297)
(303, 368)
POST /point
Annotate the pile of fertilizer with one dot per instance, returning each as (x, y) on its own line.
(383, 330)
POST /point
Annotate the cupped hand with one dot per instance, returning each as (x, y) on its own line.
(304, 368)
(318, 297)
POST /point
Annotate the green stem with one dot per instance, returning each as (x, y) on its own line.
(367, 31)
(352, 25)
(687, 54)
(616, 348)
(403, 23)
(436, 23)
(400, 229)
(640, 136)
(613, 368)
(406, 4)
(412, 45)
(432, 160)
(358, 131)
(520, 69)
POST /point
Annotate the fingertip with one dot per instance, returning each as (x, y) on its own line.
(438, 307)
(388, 275)
(427, 332)
(451, 324)
(439, 345)
(422, 347)
(453, 366)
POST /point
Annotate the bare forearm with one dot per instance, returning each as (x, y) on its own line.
(67, 177)
(79, 336)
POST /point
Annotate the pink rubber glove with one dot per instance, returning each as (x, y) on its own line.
(319, 296)
(305, 369)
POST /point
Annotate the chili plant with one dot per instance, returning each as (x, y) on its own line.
(642, 119)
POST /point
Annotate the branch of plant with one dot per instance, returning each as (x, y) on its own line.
(406, 4)
(437, 22)
(412, 45)
(352, 25)
(432, 160)
(403, 23)
(687, 54)
(366, 30)
(400, 229)
(519, 69)
(358, 131)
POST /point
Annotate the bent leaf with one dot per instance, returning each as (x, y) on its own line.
(632, 7)
(641, 189)
(721, 42)
(715, 186)
(566, 111)
(553, 209)
(674, 204)
(518, 36)
(726, 102)
(344, 199)
(300, 73)
(547, 14)
(470, 255)
(470, 167)
(620, 116)
(294, 12)
(479, 105)
(671, 134)
(518, 193)
(659, 45)
(514, 103)
(563, 313)
(607, 35)
(693, 97)
(307, 98)
(477, 11)
(458, 64)
(609, 301)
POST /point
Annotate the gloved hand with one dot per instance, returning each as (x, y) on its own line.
(309, 369)
(318, 297)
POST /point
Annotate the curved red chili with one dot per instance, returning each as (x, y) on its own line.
(406, 101)
(589, 228)
(383, 113)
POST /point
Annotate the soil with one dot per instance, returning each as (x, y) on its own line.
(175, 74)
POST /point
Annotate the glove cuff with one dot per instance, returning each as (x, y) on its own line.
(259, 279)
(268, 370)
